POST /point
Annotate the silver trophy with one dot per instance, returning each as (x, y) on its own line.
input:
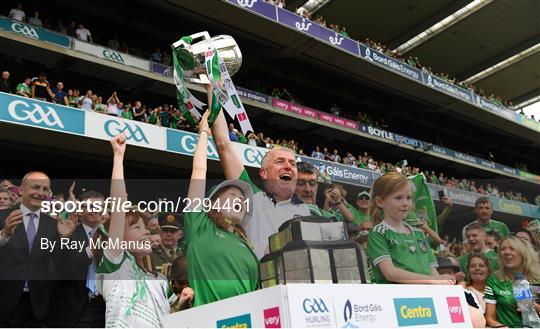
(192, 60)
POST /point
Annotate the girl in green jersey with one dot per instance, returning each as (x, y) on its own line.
(515, 255)
(221, 263)
(399, 252)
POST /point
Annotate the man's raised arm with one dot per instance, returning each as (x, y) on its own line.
(229, 159)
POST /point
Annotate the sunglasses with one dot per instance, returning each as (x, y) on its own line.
(364, 198)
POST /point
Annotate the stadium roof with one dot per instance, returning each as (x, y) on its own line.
(487, 35)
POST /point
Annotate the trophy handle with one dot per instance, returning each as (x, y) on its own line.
(203, 35)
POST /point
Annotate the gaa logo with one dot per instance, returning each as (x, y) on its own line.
(113, 56)
(36, 115)
(25, 30)
(246, 3)
(253, 156)
(314, 305)
(113, 128)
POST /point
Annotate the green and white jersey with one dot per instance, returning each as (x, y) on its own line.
(490, 254)
(410, 252)
(358, 216)
(219, 263)
(493, 226)
(501, 293)
(316, 211)
(133, 297)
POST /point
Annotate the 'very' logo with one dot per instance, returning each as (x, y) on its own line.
(113, 128)
(22, 111)
(415, 311)
(454, 307)
(272, 318)
(241, 321)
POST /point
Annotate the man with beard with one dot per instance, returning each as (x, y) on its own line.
(76, 302)
(274, 203)
(171, 232)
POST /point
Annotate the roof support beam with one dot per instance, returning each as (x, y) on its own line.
(442, 25)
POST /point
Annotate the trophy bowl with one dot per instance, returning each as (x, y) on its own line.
(191, 56)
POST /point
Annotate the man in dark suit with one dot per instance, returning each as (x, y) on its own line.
(171, 231)
(26, 270)
(75, 301)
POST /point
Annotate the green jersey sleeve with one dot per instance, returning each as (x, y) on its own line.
(245, 178)
(194, 223)
(110, 264)
(377, 247)
(489, 295)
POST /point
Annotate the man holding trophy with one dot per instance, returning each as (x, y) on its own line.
(275, 202)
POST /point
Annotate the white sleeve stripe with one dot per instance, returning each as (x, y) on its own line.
(490, 301)
(379, 259)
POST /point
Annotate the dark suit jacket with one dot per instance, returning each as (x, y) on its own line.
(38, 265)
(70, 292)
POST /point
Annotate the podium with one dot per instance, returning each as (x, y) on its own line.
(331, 306)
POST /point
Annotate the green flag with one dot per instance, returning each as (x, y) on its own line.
(424, 208)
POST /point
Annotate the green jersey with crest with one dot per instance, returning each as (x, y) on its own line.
(410, 252)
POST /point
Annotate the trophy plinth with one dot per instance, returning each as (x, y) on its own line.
(312, 250)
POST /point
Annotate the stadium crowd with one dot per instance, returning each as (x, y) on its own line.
(168, 115)
(410, 60)
(178, 258)
(79, 31)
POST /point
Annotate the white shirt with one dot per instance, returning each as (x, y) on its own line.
(117, 283)
(266, 218)
(86, 103)
(112, 109)
(83, 34)
(17, 15)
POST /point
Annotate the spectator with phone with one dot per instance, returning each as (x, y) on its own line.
(336, 204)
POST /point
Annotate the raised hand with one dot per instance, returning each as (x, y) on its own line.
(13, 219)
(118, 144)
(203, 124)
(66, 227)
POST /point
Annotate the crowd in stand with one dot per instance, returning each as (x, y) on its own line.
(410, 60)
(178, 262)
(170, 116)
